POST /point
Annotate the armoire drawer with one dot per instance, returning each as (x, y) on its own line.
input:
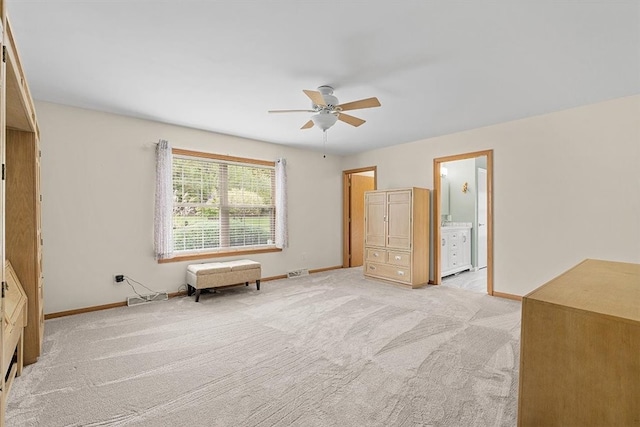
(376, 255)
(390, 272)
(402, 259)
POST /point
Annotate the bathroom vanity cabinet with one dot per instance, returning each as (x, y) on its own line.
(455, 250)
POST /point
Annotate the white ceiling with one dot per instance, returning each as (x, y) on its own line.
(437, 67)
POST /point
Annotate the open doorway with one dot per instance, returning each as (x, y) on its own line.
(463, 220)
(354, 184)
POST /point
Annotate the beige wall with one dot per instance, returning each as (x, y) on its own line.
(566, 187)
(98, 175)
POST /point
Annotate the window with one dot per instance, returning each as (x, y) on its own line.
(222, 203)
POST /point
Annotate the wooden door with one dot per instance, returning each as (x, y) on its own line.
(359, 184)
(374, 218)
(399, 219)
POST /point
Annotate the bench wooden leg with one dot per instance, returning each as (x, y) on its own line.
(197, 295)
(189, 290)
(258, 284)
(246, 283)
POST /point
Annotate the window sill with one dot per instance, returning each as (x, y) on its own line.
(192, 257)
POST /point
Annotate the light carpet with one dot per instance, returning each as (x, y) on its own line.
(330, 349)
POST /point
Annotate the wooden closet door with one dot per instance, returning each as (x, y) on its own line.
(359, 185)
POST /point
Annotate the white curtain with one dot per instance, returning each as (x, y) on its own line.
(163, 233)
(282, 236)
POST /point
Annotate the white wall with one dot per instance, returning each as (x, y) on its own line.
(566, 187)
(98, 175)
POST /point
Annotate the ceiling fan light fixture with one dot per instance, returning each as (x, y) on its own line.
(324, 120)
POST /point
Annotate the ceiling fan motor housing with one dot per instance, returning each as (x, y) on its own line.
(329, 99)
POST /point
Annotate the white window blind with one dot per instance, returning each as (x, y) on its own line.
(222, 205)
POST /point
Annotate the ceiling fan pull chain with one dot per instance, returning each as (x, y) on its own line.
(324, 144)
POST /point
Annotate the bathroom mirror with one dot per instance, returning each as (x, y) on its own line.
(444, 196)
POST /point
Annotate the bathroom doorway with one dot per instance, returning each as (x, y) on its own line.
(463, 221)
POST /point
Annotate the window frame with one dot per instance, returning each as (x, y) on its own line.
(226, 252)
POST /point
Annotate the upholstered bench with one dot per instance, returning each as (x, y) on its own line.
(216, 274)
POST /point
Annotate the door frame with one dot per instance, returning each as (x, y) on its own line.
(346, 208)
(437, 270)
(482, 172)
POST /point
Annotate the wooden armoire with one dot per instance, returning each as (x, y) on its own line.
(20, 201)
(397, 235)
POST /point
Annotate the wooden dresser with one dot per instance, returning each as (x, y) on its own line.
(396, 242)
(580, 348)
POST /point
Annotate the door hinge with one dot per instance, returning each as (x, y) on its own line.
(4, 54)
(4, 287)
(3, 171)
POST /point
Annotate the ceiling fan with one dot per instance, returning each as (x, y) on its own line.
(328, 110)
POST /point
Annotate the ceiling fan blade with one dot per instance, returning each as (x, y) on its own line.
(291, 111)
(353, 121)
(363, 103)
(315, 96)
(307, 125)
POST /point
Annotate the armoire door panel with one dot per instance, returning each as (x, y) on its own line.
(399, 221)
(375, 220)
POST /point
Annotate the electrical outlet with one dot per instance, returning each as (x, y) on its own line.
(119, 278)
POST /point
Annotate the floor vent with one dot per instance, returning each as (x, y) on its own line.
(297, 273)
(143, 299)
